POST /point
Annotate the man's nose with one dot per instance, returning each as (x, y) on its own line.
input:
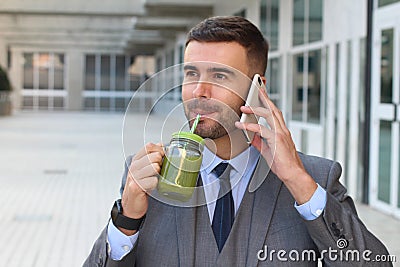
(202, 89)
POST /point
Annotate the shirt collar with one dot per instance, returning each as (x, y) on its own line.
(239, 163)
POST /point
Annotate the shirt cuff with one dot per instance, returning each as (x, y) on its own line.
(313, 208)
(119, 243)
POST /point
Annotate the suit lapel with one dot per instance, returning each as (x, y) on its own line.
(263, 208)
(187, 226)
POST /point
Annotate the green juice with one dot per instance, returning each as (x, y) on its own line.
(179, 175)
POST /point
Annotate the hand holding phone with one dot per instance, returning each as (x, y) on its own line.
(253, 100)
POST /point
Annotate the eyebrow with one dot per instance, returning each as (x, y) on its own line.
(211, 69)
(189, 67)
(224, 70)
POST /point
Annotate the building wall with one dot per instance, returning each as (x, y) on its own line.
(69, 29)
(344, 35)
(341, 22)
(3, 53)
(224, 8)
(72, 6)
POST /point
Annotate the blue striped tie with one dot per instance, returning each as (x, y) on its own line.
(224, 213)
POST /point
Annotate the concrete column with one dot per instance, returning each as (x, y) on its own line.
(16, 78)
(3, 54)
(75, 79)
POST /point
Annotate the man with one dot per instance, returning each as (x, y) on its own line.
(299, 210)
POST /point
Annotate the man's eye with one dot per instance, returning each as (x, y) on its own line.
(191, 74)
(220, 76)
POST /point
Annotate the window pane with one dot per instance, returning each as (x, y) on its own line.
(58, 102)
(120, 104)
(387, 66)
(181, 53)
(27, 102)
(89, 103)
(348, 146)
(105, 103)
(314, 86)
(327, 70)
(169, 60)
(315, 20)
(120, 73)
(90, 72)
(273, 76)
(273, 82)
(297, 94)
(28, 71)
(43, 102)
(158, 64)
(385, 156)
(58, 71)
(298, 22)
(361, 111)
(337, 65)
(105, 73)
(387, 2)
(43, 63)
(274, 36)
(263, 17)
(134, 81)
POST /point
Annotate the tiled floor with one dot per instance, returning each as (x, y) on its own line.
(60, 173)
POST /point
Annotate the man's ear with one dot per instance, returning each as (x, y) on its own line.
(264, 80)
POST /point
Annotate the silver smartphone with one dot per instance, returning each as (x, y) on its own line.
(253, 101)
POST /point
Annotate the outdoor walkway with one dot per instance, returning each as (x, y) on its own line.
(60, 174)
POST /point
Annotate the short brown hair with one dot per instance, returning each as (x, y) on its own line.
(234, 29)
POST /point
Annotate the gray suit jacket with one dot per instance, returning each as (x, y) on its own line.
(268, 230)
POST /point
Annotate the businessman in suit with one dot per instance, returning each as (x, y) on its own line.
(283, 209)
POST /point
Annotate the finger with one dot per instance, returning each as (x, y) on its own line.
(149, 148)
(263, 147)
(265, 113)
(145, 184)
(267, 102)
(264, 139)
(148, 184)
(154, 157)
(149, 170)
(258, 129)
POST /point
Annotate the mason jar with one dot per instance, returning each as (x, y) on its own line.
(181, 166)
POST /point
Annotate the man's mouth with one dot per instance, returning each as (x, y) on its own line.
(205, 110)
(203, 113)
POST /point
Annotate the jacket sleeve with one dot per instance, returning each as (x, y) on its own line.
(98, 257)
(339, 228)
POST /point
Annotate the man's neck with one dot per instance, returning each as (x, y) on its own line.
(228, 146)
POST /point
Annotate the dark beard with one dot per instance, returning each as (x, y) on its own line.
(212, 132)
(224, 124)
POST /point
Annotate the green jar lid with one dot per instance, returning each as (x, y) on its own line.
(188, 135)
